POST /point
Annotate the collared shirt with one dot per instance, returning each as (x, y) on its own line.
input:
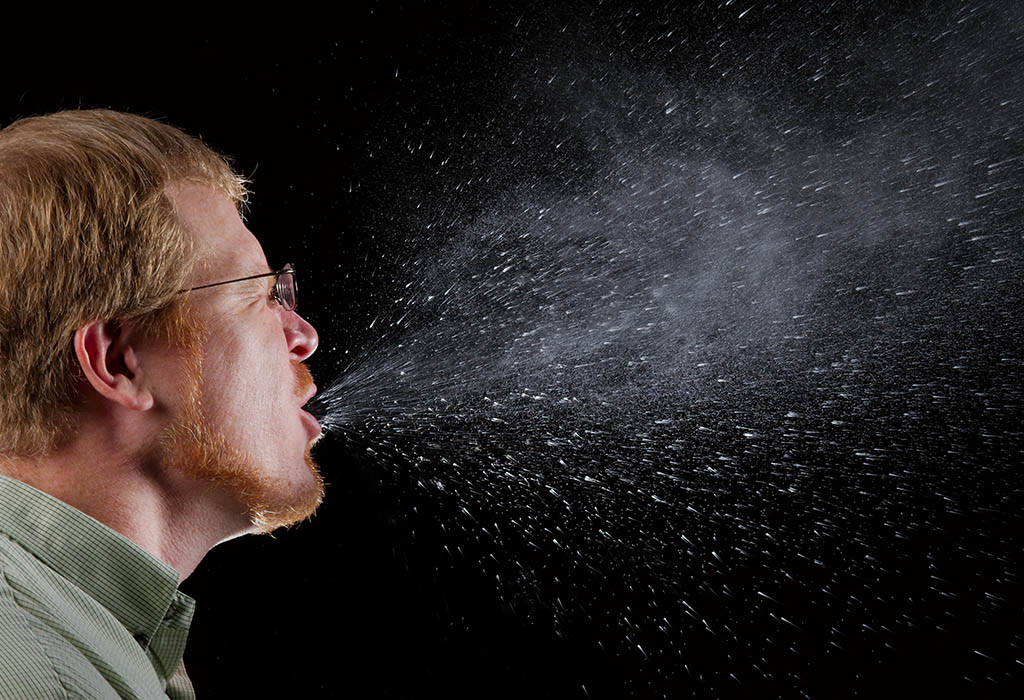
(84, 611)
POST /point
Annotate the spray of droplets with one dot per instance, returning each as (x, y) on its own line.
(741, 395)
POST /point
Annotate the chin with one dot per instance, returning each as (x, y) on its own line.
(196, 451)
(282, 503)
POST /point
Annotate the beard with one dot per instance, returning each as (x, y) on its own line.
(191, 447)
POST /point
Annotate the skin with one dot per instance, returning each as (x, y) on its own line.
(179, 451)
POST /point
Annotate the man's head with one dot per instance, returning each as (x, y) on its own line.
(106, 217)
(86, 232)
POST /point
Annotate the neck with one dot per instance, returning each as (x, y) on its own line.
(129, 488)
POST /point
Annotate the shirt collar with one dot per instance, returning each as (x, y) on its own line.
(135, 586)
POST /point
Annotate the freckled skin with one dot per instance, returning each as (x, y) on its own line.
(249, 357)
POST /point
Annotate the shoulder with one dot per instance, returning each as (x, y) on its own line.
(35, 661)
(26, 671)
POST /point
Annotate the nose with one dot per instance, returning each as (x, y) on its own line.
(302, 337)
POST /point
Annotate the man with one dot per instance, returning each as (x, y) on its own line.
(151, 384)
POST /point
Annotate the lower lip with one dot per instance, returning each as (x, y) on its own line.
(312, 426)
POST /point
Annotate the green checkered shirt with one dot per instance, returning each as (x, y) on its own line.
(84, 611)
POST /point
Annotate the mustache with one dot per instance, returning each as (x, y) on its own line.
(303, 379)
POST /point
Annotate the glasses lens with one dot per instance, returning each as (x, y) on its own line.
(286, 288)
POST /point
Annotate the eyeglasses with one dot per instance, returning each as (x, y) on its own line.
(284, 292)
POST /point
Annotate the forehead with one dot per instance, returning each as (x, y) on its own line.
(224, 246)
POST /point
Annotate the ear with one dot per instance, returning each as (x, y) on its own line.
(111, 366)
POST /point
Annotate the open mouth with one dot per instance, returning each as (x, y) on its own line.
(308, 419)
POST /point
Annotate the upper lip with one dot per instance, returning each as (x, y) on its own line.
(309, 395)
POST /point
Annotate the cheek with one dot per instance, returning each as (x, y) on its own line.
(241, 386)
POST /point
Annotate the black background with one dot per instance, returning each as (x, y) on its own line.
(329, 118)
